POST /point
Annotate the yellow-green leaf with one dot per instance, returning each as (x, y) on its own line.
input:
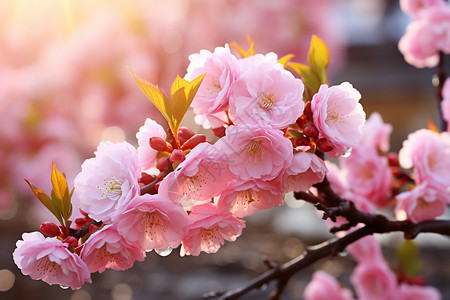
(59, 183)
(285, 59)
(309, 78)
(319, 58)
(242, 52)
(46, 201)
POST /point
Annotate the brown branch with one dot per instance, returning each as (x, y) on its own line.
(334, 205)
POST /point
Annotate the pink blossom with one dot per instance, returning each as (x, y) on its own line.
(107, 249)
(338, 116)
(108, 180)
(201, 176)
(49, 260)
(259, 153)
(425, 37)
(373, 280)
(266, 95)
(215, 120)
(375, 135)
(429, 153)
(325, 287)
(414, 8)
(423, 202)
(221, 71)
(152, 222)
(364, 249)
(370, 177)
(208, 228)
(416, 292)
(305, 170)
(243, 198)
(146, 154)
(445, 103)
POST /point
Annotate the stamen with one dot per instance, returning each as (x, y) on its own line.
(112, 188)
(253, 148)
(266, 101)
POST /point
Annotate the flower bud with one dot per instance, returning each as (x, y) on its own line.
(311, 131)
(162, 163)
(50, 229)
(81, 222)
(307, 111)
(324, 145)
(219, 131)
(393, 159)
(159, 144)
(93, 228)
(193, 141)
(177, 156)
(184, 134)
(72, 241)
(302, 141)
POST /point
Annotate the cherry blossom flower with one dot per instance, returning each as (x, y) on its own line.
(375, 135)
(423, 202)
(146, 154)
(429, 153)
(324, 286)
(49, 260)
(266, 95)
(414, 8)
(416, 292)
(305, 170)
(366, 248)
(201, 176)
(108, 180)
(152, 222)
(259, 153)
(426, 36)
(221, 71)
(107, 249)
(373, 280)
(338, 116)
(208, 228)
(243, 198)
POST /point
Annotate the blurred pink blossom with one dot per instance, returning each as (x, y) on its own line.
(305, 170)
(324, 287)
(146, 154)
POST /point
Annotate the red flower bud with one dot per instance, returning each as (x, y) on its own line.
(307, 111)
(50, 229)
(393, 159)
(146, 178)
(302, 141)
(193, 141)
(159, 144)
(311, 131)
(219, 131)
(177, 156)
(93, 228)
(72, 241)
(162, 163)
(81, 222)
(184, 134)
(324, 145)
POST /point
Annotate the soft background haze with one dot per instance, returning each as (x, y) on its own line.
(65, 86)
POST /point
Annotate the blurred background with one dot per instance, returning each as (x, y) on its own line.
(65, 86)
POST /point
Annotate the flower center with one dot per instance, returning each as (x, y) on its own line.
(266, 101)
(112, 188)
(45, 266)
(152, 223)
(253, 148)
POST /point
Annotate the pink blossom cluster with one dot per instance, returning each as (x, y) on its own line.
(428, 34)
(372, 279)
(65, 85)
(199, 191)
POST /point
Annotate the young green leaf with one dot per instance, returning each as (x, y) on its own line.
(242, 52)
(285, 59)
(48, 203)
(61, 192)
(319, 58)
(309, 78)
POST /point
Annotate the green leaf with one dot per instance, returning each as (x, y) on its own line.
(174, 108)
(310, 80)
(408, 258)
(319, 58)
(48, 203)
